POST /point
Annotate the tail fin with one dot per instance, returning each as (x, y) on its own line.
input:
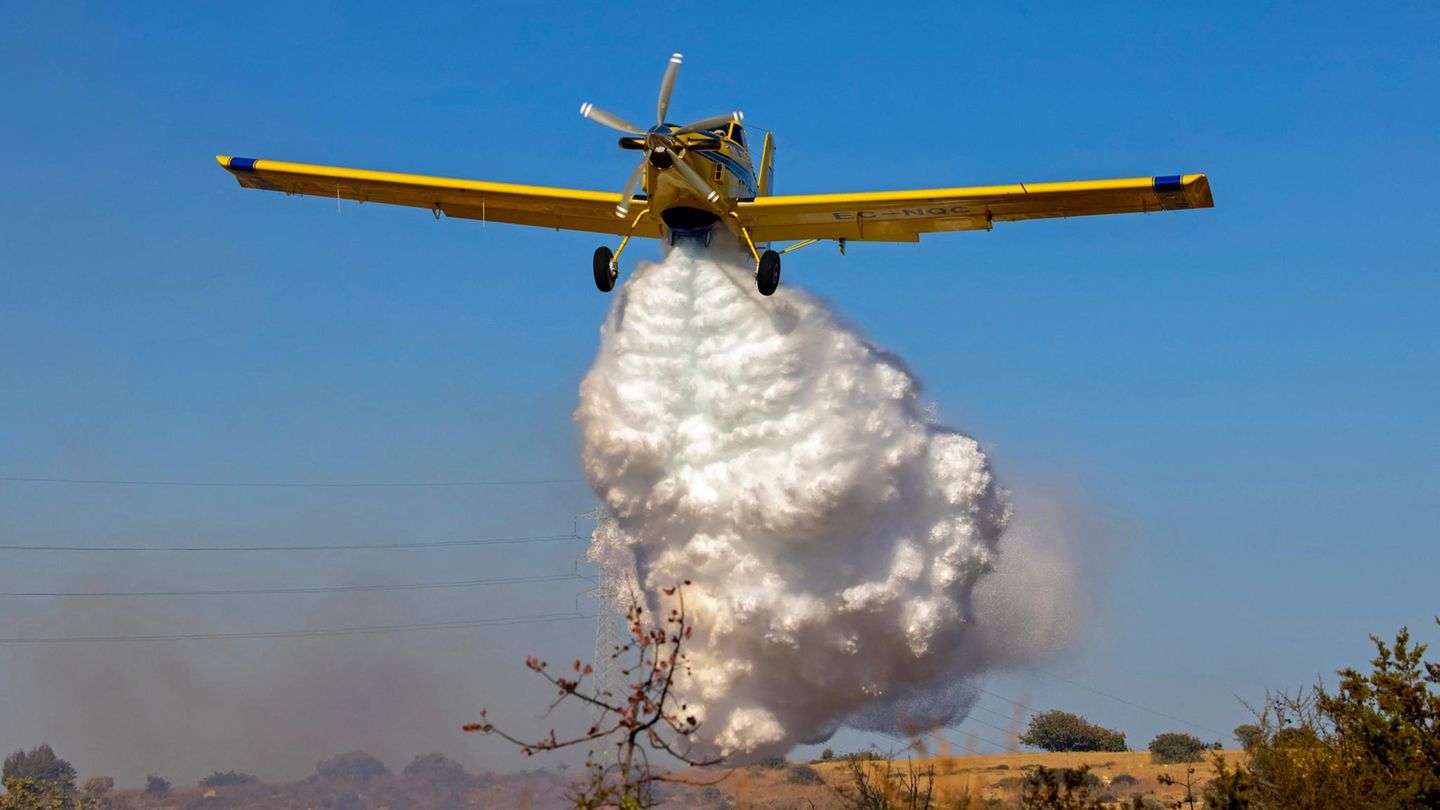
(765, 177)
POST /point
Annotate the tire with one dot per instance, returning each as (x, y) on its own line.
(767, 275)
(604, 271)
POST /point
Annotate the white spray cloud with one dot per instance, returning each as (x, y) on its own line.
(833, 529)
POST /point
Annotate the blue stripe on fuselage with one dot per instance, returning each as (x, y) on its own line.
(735, 166)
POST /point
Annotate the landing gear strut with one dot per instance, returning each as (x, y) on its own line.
(767, 264)
(607, 263)
(767, 272)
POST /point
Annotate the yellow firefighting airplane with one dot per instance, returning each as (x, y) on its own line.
(701, 174)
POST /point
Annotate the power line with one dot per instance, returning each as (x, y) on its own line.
(308, 633)
(982, 707)
(1007, 700)
(1002, 748)
(417, 586)
(1155, 712)
(953, 745)
(1000, 729)
(125, 482)
(490, 541)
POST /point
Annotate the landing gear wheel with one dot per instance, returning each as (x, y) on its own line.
(605, 272)
(767, 275)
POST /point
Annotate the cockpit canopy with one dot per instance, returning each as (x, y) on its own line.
(732, 131)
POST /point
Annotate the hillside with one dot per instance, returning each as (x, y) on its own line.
(788, 785)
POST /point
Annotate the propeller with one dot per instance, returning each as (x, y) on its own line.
(713, 122)
(664, 148)
(611, 120)
(628, 195)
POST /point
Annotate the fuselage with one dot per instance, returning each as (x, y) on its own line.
(721, 157)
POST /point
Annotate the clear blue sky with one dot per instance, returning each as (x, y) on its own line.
(1249, 395)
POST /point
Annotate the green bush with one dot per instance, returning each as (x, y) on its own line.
(1062, 731)
(29, 793)
(157, 786)
(437, 769)
(1370, 743)
(1177, 747)
(1079, 776)
(227, 779)
(40, 764)
(1061, 789)
(1124, 780)
(803, 775)
(355, 766)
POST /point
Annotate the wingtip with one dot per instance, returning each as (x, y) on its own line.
(236, 164)
(1199, 184)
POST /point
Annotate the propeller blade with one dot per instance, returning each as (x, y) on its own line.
(628, 195)
(696, 181)
(667, 85)
(611, 120)
(713, 122)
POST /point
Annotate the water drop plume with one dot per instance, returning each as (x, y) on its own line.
(834, 530)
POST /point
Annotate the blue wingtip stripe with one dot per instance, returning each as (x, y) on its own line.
(1169, 182)
(240, 164)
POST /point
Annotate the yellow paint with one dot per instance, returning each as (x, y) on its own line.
(893, 216)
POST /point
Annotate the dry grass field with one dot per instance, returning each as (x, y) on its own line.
(984, 776)
(998, 775)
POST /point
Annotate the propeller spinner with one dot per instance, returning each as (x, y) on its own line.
(662, 143)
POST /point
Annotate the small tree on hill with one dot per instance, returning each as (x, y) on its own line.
(220, 779)
(437, 769)
(356, 766)
(1247, 734)
(29, 793)
(1176, 747)
(39, 780)
(40, 764)
(647, 717)
(157, 786)
(1055, 730)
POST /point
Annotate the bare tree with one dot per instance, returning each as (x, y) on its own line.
(647, 717)
(876, 781)
(1188, 783)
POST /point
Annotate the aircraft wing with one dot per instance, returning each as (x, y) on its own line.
(558, 208)
(901, 216)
